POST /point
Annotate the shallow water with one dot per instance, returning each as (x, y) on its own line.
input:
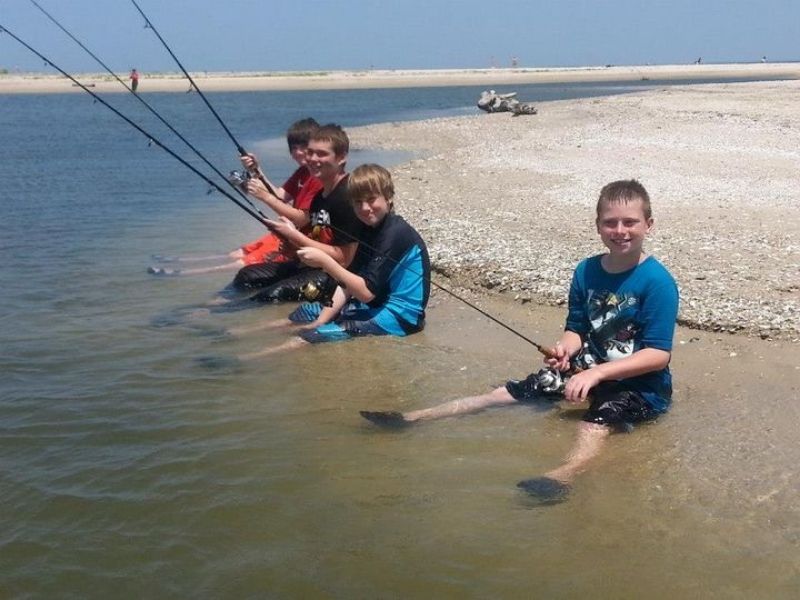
(140, 460)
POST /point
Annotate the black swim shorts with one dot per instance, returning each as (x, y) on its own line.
(528, 390)
(612, 404)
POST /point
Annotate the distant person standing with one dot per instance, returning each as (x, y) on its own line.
(134, 77)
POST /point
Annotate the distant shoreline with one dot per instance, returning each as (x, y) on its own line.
(33, 83)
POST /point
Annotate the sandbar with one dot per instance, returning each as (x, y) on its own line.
(41, 83)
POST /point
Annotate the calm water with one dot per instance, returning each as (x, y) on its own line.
(130, 468)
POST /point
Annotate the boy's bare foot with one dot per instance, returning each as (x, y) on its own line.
(545, 490)
(164, 259)
(389, 419)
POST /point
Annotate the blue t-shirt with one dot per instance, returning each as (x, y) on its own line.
(617, 314)
(393, 260)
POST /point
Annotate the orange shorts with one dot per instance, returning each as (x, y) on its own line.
(257, 252)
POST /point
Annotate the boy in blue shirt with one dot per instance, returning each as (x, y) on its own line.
(615, 349)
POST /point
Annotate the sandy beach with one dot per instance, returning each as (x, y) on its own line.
(40, 83)
(507, 203)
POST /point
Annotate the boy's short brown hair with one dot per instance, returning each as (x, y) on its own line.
(624, 191)
(300, 132)
(334, 134)
(369, 179)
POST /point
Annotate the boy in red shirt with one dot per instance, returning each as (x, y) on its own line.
(292, 200)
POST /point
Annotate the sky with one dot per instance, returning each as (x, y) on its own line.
(323, 35)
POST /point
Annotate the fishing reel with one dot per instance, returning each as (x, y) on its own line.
(550, 381)
(240, 179)
(320, 290)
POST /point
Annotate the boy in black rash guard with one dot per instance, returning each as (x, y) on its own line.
(386, 290)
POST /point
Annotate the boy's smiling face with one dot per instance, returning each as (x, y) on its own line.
(623, 227)
(299, 153)
(322, 160)
(372, 209)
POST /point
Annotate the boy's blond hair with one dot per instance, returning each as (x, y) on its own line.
(370, 179)
(334, 134)
(622, 192)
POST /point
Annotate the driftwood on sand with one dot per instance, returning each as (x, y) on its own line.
(490, 101)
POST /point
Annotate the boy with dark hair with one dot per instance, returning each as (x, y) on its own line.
(292, 200)
(386, 289)
(615, 349)
(330, 226)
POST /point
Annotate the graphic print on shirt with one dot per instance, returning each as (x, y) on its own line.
(319, 219)
(614, 326)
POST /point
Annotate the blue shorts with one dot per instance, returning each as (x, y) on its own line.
(352, 322)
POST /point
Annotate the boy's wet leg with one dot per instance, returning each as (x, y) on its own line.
(555, 485)
(591, 438)
(461, 406)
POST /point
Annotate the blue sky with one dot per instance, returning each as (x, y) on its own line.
(311, 35)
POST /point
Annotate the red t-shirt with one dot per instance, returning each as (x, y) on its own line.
(302, 187)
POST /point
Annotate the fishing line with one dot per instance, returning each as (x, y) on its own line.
(540, 348)
(547, 352)
(146, 104)
(239, 147)
(256, 215)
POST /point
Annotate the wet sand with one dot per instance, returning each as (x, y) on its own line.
(726, 452)
(38, 83)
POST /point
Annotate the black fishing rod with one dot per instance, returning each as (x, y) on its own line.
(146, 104)
(544, 350)
(239, 147)
(547, 352)
(256, 215)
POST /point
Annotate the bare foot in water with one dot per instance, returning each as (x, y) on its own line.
(388, 419)
(545, 490)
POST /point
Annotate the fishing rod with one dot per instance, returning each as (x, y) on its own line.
(239, 147)
(544, 350)
(547, 352)
(149, 24)
(146, 104)
(256, 215)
